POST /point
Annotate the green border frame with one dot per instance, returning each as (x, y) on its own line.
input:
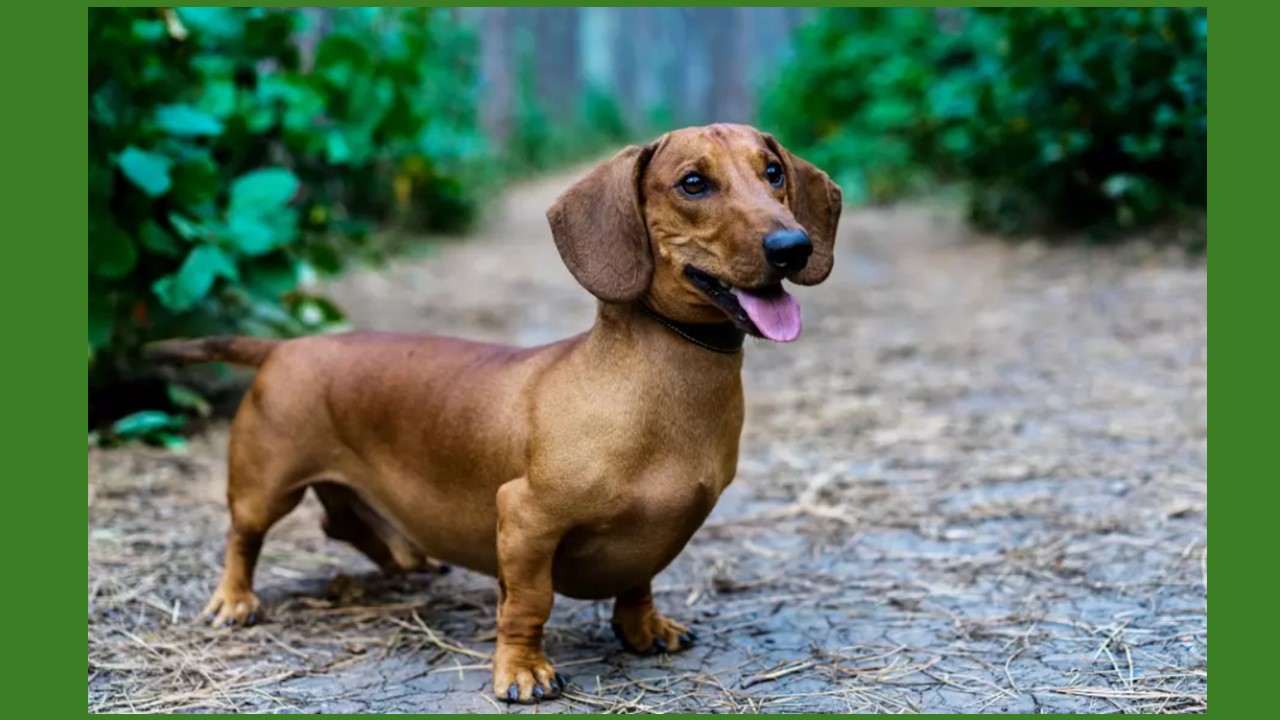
(44, 55)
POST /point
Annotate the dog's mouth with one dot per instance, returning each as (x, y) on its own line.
(767, 312)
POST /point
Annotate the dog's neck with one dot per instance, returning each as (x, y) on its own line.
(714, 343)
(721, 337)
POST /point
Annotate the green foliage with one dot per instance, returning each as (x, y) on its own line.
(875, 94)
(401, 92)
(1099, 119)
(154, 427)
(1062, 118)
(223, 172)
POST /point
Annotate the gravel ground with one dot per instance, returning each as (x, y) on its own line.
(977, 483)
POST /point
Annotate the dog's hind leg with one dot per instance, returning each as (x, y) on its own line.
(262, 487)
(252, 514)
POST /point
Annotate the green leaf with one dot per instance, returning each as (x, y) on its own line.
(186, 121)
(149, 30)
(146, 422)
(101, 323)
(263, 191)
(188, 399)
(260, 119)
(171, 441)
(111, 251)
(156, 240)
(220, 23)
(337, 148)
(149, 171)
(268, 318)
(187, 228)
(272, 276)
(193, 281)
(219, 98)
(251, 234)
(957, 141)
(195, 183)
(317, 312)
(1119, 185)
(325, 258)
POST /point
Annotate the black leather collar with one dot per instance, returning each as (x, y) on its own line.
(723, 337)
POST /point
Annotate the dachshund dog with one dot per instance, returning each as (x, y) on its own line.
(581, 467)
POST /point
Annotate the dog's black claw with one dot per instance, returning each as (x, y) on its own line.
(693, 636)
(513, 693)
(562, 680)
(228, 622)
(252, 619)
(444, 569)
(659, 645)
(686, 639)
(538, 691)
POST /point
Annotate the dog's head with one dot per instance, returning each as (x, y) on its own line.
(702, 224)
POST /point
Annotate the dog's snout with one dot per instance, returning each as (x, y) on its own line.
(788, 250)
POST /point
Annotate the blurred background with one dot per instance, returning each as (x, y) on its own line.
(236, 155)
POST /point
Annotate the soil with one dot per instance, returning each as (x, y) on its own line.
(976, 483)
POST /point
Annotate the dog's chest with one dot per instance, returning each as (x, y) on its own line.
(653, 511)
(660, 512)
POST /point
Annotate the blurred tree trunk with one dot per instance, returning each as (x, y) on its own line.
(497, 71)
(626, 47)
(697, 65)
(595, 49)
(647, 37)
(693, 64)
(556, 60)
(729, 63)
(670, 43)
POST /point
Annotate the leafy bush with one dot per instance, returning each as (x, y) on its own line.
(1058, 117)
(1098, 119)
(400, 91)
(223, 174)
(877, 95)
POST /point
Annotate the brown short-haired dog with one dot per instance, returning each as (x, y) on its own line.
(581, 467)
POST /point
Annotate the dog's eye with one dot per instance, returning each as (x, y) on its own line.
(693, 185)
(773, 173)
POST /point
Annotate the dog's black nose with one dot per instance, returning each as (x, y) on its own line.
(787, 250)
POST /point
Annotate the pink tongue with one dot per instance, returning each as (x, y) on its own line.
(776, 314)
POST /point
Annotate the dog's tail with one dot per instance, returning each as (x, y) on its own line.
(222, 348)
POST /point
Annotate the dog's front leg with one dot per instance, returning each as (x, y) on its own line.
(528, 533)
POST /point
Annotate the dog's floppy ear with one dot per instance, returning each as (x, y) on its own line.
(599, 228)
(815, 202)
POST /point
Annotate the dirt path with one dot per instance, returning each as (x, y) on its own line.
(977, 483)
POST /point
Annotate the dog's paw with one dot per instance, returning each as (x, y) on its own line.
(649, 633)
(231, 609)
(525, 676)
